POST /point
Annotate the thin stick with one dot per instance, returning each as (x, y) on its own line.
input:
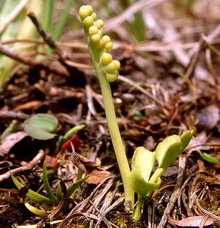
(29, 61)
(197, 52)
(13, 115)
(30, 165)
(176, 192)
(135, 85)
(52, 44)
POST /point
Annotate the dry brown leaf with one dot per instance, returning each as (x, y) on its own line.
(29, 105)
(197, 143)
(84, 163)
(10, 141)
(193, 221)
(51, 161)
(208, 117)
(98, 176)
(210, 178)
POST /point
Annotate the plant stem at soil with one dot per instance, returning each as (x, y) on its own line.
(113, 128)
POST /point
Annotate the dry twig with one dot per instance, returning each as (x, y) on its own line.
(197, 52)
(29, 166)
(32, 62)
(176, 192)
(52, 44)
(13, 115)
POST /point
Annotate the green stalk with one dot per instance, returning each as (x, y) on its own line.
(137, 212)
(98, 48)
(49, 15)
(158, 173)
(114, 129)
(63, 17)
(115, 134)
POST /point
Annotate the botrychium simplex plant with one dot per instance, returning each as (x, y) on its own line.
(139, 178)
(53, 199)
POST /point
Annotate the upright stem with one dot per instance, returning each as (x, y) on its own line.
(115, 136)
(107, 70)
(113, 129)
(137, 212)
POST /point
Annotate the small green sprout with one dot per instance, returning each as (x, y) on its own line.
(143, 161)
(208, 157)
(68, 134)
(52, 199)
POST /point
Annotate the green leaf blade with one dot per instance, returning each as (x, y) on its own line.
(74, 186)
(143, 160)
(168, 150)
(47, 185)
(185, 138)
(30, 193)
(41, 126)
(142, 165)
(140, 185)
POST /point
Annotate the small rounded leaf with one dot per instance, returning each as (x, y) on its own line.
(106, 39)
(185, 138)
(94, 16)
(95, 38)
(143, 160)
(117, 63)
(168, 150)
(140, 185)
(41, 126)
(111, 67)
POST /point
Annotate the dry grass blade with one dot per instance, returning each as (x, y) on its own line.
(116, 21)
(13, 14)
(176, 192)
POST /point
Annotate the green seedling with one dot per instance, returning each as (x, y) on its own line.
(52, 199)
(208, 157)
(10, 129)
(69, 133)
(139, 178)
(41, 126)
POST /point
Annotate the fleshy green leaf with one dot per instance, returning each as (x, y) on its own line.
(47, 185)
(30, 193)
(140, 185)
(35, 210)
(142, 165)
(208, 157)
(40, 126)
(168, 150)
(74, 186)
(143, 160)
(185, 138)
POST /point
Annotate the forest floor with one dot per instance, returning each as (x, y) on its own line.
(168, 83)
